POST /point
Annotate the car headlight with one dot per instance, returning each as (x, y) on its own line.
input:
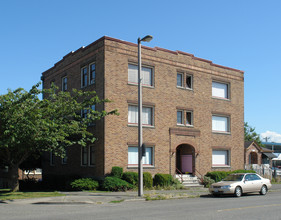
(226, 187)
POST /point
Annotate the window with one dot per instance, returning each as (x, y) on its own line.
(220, 158)
(188, 118)
(179, 79)
(188, 81)
(184, 117)
(146, 75)
(52, 159)
(92, 73)
(220, 124)
(220, 90)
(64, 84)
(64, 159)
(88, 156)
(133, 156)
(180, 117)
(84, 77)
(84, 112)
(147, 115)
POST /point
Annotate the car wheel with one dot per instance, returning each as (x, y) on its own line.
(216, 195)
(263, 190)
(238, 191)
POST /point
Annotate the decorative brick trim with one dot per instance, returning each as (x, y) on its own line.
(184, 108)
(136, 144)
(185, 132)
(221, 148)
(221, 113)
(134, 102)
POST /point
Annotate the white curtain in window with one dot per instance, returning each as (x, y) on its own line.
(146, 76)
(148, 156)
(146, 116)
(133, 74)
(219, 157)
(133, 155)
(219, 90)
(133, 114)
(220, 123)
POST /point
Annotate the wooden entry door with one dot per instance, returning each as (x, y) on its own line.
(186, 163)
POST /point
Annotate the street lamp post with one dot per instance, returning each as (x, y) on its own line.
(140, 142)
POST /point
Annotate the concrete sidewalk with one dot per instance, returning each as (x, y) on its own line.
(85, 197)
(115, 197)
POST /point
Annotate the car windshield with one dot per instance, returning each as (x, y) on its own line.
(237, 177)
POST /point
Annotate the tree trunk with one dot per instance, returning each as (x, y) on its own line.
(13, 178)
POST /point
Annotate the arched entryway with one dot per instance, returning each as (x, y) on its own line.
(253, 158)
(185, 159)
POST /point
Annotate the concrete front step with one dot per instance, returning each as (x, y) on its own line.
(188, 180)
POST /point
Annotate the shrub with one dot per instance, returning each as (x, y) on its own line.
(207, 181)
(131, 177)
(30, 184)
(84, 184)
(147, 180)
(217, 175)
(116, 184)
(243, 171)
(163, 180)
(59, 182)
(117, 172)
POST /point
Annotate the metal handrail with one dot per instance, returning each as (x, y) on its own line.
(201, 176)
(180, 174)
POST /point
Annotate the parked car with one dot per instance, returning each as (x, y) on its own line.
(240, 183)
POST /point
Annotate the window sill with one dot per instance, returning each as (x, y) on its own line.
(185, 126)
(184, 88)
(221, 166)
(136, 167)
(221, 132)
(144, 126)
(136, 84)
(220, 98)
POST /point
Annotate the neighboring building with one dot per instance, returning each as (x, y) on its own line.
(193, 111)
(254, 154)
(276, 148)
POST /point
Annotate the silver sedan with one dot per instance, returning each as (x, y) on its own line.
(241, 183)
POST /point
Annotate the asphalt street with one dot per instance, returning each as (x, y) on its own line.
(252, 206)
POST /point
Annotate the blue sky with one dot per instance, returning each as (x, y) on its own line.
(240, 34)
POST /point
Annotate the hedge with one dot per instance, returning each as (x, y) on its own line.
(117, 172)
(147, 180)
(162, 179)
(131, 177)
(116, 184)
(84, 184)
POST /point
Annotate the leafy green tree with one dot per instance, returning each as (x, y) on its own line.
(29, 124)
(251, 135)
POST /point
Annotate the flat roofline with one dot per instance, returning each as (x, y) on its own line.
(145, 47)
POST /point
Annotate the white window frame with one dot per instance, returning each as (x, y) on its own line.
(136, 115)
(135, 81)
(228, 124)
(191, 119)
(92, 80)
(152, 156)
(215, 90)
(182, 117)
(181, 75)
(83, 80)
(219, 156)
(64, 83)
(191, 83)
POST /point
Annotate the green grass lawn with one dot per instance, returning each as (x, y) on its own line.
(7, 195)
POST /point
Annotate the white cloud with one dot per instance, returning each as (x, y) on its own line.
(272, 136)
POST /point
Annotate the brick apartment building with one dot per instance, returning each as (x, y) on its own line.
(193, 111)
